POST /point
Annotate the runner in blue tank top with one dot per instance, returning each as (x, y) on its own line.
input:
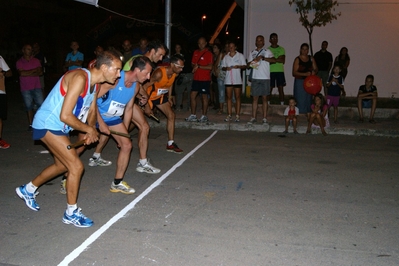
(69, 106)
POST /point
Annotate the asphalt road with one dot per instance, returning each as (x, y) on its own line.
(232, 198)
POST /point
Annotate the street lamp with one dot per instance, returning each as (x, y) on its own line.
(202, 22)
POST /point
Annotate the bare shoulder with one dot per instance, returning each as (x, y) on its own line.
(74, 78)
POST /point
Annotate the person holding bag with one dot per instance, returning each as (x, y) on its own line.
(259, 61)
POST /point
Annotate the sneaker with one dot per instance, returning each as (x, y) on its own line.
(285, 132)
(4, 144)
(203, 119)
(63, 187)
(252, 121)
(264, 121)
(228, 118)
(29, 198)
(173, 148)
(192, 118)
(237, 118)
(78, 219)
(99, 162)
(147, 168)
(122, 187)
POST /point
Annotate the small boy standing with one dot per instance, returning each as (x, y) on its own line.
(75, 58)
(291, 113)
(335, 87)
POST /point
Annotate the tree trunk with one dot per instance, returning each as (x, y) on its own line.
(310, 43)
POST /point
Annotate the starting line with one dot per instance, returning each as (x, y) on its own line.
(75, 253)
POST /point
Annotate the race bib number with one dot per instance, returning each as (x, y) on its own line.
(162, 91)
(83, 113)
(115, 109)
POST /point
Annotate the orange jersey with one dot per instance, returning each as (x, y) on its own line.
(160, 88)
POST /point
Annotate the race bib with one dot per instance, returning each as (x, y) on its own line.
(115, 109)
(162, 91)
(83, 113)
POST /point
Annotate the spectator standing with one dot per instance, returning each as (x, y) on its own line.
(324, 61)
(201, 62)
(126, 51)
(220, 74)
(277, 77)
(291, 114)
(233, 63)
(304, 66)
(259, 61)
(29, 70)
(5, 71)
(142, 49)
(367, 98)
(75, 58)
(335, 87)
(344, 60)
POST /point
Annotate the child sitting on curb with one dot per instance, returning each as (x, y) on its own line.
(318, 116)
(291, 113)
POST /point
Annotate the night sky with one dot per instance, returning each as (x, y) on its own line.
(53, 24)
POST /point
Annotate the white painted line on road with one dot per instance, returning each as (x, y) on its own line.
(75, 253)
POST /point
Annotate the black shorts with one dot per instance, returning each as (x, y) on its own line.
(3, 106)
(277, 79)
(160, 100)
(202, 87)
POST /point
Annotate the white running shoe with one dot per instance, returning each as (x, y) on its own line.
(147, 168)
(252, 121)
(203, 119)
(99, 162)
(122, 187)
(192, 118)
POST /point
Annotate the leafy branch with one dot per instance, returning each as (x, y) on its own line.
(323, 12)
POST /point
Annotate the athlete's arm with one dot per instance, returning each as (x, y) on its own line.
(128, 113)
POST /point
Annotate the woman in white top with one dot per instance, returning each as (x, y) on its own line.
(233, 63)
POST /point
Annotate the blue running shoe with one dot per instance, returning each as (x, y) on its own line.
(29, 198)
(77, 219)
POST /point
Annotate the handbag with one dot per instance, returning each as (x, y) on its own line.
(252, 70)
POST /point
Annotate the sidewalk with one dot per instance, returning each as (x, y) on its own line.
(387, 122)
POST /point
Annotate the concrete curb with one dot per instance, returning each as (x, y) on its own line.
(242, 126)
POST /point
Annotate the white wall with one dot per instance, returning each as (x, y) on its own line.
(369, 31)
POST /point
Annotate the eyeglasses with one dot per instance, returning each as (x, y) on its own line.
(179, 66)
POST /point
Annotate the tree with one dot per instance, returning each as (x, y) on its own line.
(323, 12)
